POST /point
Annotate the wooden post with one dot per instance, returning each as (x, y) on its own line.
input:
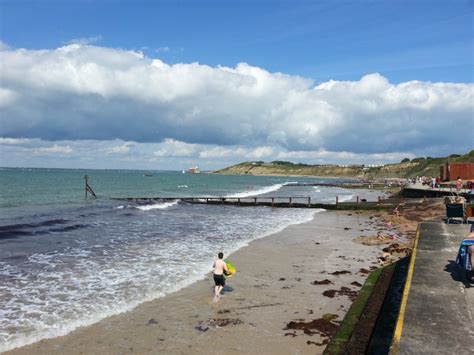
(85, 186)
(378, 200)
(309, 201)
(255, 201)
(238, 201)
(273, 201)
(337, 200)
(290, 201)
(357, 199)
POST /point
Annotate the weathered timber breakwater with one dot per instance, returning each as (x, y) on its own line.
(276, 202)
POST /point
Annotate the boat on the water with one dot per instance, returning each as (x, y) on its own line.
(194, 170)
(147, 174)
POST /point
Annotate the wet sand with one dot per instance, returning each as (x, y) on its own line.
(290, 292)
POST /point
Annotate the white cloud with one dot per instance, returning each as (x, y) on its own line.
(85, 40)
(167, 155)
(13, 141)
(323, 157)
(121, 149)
(7, 97)
(55, 149)
(236, 152)
(3, 46)
(162, 49)
(84, 92)
(173, 148)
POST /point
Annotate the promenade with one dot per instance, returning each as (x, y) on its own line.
(437, 311)
(420, 190)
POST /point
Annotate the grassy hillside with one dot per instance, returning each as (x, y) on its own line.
(406, 168)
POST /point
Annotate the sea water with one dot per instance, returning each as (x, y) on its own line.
(67, 261)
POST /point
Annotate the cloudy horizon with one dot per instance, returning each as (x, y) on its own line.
(84, 103)
(309, 83)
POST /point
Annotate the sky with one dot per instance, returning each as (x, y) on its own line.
(173, 84)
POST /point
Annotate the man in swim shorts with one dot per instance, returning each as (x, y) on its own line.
(219, 268)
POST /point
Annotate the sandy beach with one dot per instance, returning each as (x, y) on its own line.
(290, 293)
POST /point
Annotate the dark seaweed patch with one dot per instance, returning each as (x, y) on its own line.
(323, 282)
(325, 326)
(344, 291)
(340, 272)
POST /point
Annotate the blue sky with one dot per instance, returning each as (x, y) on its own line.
(343, 40)
(313, 81)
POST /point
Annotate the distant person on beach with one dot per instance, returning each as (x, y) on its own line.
(220, 268)
(396, 211)
(458, 184)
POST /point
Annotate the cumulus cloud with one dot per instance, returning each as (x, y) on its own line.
(3, 46)
(237, 152)
(84, 92)
(7, 97)
(121, 149)
(13, 141)
(55, 149)
(174, 148)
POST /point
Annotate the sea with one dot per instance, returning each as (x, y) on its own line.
(68, 261)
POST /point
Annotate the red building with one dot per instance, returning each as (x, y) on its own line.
(451, 171)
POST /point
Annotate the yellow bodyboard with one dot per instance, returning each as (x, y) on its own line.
(231, 268)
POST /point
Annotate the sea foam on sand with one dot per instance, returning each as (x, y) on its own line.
(276, 283)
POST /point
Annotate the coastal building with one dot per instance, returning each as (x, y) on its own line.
(451, 171)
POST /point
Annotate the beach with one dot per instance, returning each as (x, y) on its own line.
(290, 292)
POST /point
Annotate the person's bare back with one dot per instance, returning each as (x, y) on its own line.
(219, 267)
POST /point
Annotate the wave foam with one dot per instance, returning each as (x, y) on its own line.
(157, 206)
(261, 191)
(103, 280)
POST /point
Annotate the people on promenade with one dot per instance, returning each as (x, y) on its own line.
(470, 252)
(465, 257)
(220, 268)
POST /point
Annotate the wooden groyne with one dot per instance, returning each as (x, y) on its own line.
(276, 202)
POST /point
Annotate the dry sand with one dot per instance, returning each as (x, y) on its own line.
(276, 284)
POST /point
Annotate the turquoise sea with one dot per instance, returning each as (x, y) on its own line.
(67, 261)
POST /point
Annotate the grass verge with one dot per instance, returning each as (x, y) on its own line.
(353, 316)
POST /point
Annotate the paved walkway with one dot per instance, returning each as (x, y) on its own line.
(451, 189)
(437, 315)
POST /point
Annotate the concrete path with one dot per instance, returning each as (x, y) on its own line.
(437, 314)
(451, 189)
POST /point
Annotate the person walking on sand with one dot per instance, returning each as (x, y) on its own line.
(219, 268)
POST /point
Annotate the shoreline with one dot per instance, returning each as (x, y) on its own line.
(272, 288)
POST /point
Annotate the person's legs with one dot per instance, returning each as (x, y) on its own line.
(220, 282)
(470, 251)
(217, 295)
